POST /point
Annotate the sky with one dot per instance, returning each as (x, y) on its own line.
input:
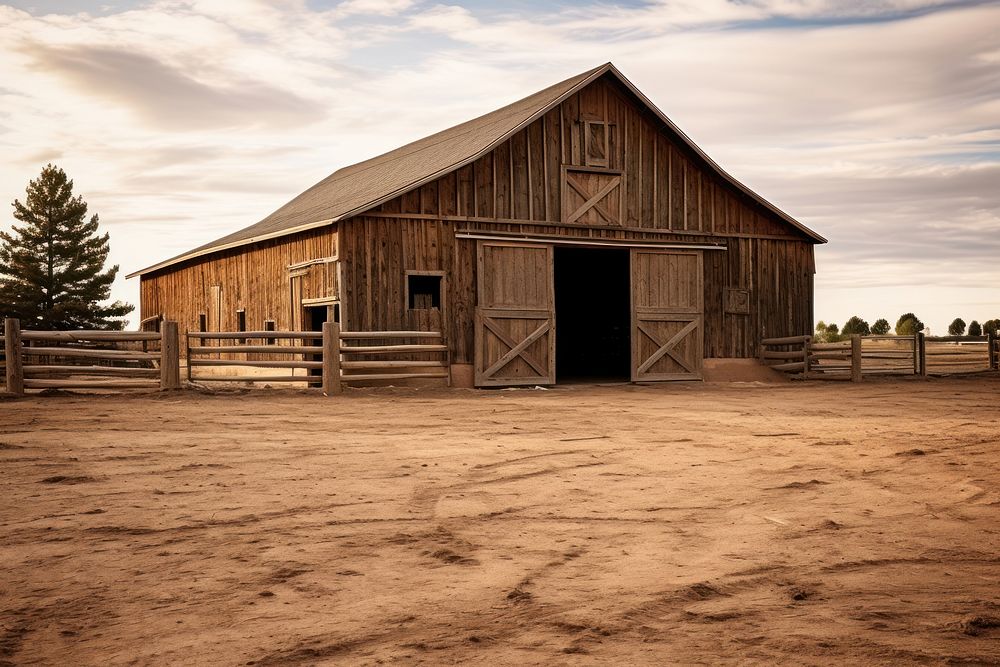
(876, 123)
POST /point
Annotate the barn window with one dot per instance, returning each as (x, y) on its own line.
(241, 322)
(423, 290)
(596, 140)
(269, 326)
(202, 322)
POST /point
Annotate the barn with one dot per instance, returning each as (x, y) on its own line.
(575, 234)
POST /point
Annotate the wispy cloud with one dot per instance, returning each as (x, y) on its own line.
(874, 122)
(167, 98)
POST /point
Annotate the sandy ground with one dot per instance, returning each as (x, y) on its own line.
(683, 524)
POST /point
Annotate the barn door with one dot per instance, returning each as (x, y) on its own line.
(515, 316)
(667, 299)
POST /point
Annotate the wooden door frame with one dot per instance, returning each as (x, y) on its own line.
(693, 315)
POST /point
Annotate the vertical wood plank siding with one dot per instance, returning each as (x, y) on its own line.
(667, 195)
(253, 277)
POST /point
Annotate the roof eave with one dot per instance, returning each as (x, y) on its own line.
(228, 246)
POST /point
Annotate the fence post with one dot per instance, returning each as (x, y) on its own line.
(922, 345)
(12, 350)
(331, 359)
(187, 355)
(991, 345)
(855, 358)
(806, 351)
(170, 356)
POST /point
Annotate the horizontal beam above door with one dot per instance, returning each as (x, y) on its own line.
(576, 241)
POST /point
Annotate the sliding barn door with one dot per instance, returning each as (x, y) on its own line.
(667, 309)
(515, 316)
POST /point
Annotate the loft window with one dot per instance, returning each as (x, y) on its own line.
(598, 138)
(423, 290)
(202, 322)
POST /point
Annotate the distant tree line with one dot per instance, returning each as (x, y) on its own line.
(907, 325)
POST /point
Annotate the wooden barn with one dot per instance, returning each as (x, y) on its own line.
(576, 233)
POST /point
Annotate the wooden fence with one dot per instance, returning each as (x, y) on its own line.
(286, 350)
(90, 359)
(959, 354)
(325, 356)
(858, 356)
(371, 356)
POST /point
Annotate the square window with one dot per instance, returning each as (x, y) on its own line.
(423, 292)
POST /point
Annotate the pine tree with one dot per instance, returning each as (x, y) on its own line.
(52, 267)
(856, 325)
(881, 327)
(908, 324)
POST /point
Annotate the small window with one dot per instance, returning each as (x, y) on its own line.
(241, 322)
(423, 292)
(269, 326)
(202, 322)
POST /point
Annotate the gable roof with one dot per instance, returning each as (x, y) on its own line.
(360, 187)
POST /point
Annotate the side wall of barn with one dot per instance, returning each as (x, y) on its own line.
(254, 279)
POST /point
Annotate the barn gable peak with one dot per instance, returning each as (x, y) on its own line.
(357, 188)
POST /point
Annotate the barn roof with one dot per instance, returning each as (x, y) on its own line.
(355, 189)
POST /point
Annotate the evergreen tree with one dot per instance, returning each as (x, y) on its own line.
(908, 324)
(957, 327)
(52, 267)
(975, 328)
(881, 327)
(856, 325)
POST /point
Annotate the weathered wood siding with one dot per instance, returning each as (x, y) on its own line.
(376, 253)
(656, 190)
(253, 277)
(666, 188)
(666, 195)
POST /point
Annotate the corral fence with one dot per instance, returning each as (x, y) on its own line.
(89, 359)
(860, 356)
(120, 360)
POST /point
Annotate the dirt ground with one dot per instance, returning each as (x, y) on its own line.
(803, 523)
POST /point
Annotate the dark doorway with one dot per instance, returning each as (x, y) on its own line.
(593, 314)
(313, 318)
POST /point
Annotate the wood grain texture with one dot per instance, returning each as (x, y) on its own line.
(664, 193)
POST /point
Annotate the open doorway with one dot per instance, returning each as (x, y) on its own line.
(593, 314)
(313, 318)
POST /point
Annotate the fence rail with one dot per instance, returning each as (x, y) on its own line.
(858, 356)
(89, 359)
(297, 356)
(375, 367)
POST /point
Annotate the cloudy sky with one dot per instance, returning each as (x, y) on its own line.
(875, 123)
